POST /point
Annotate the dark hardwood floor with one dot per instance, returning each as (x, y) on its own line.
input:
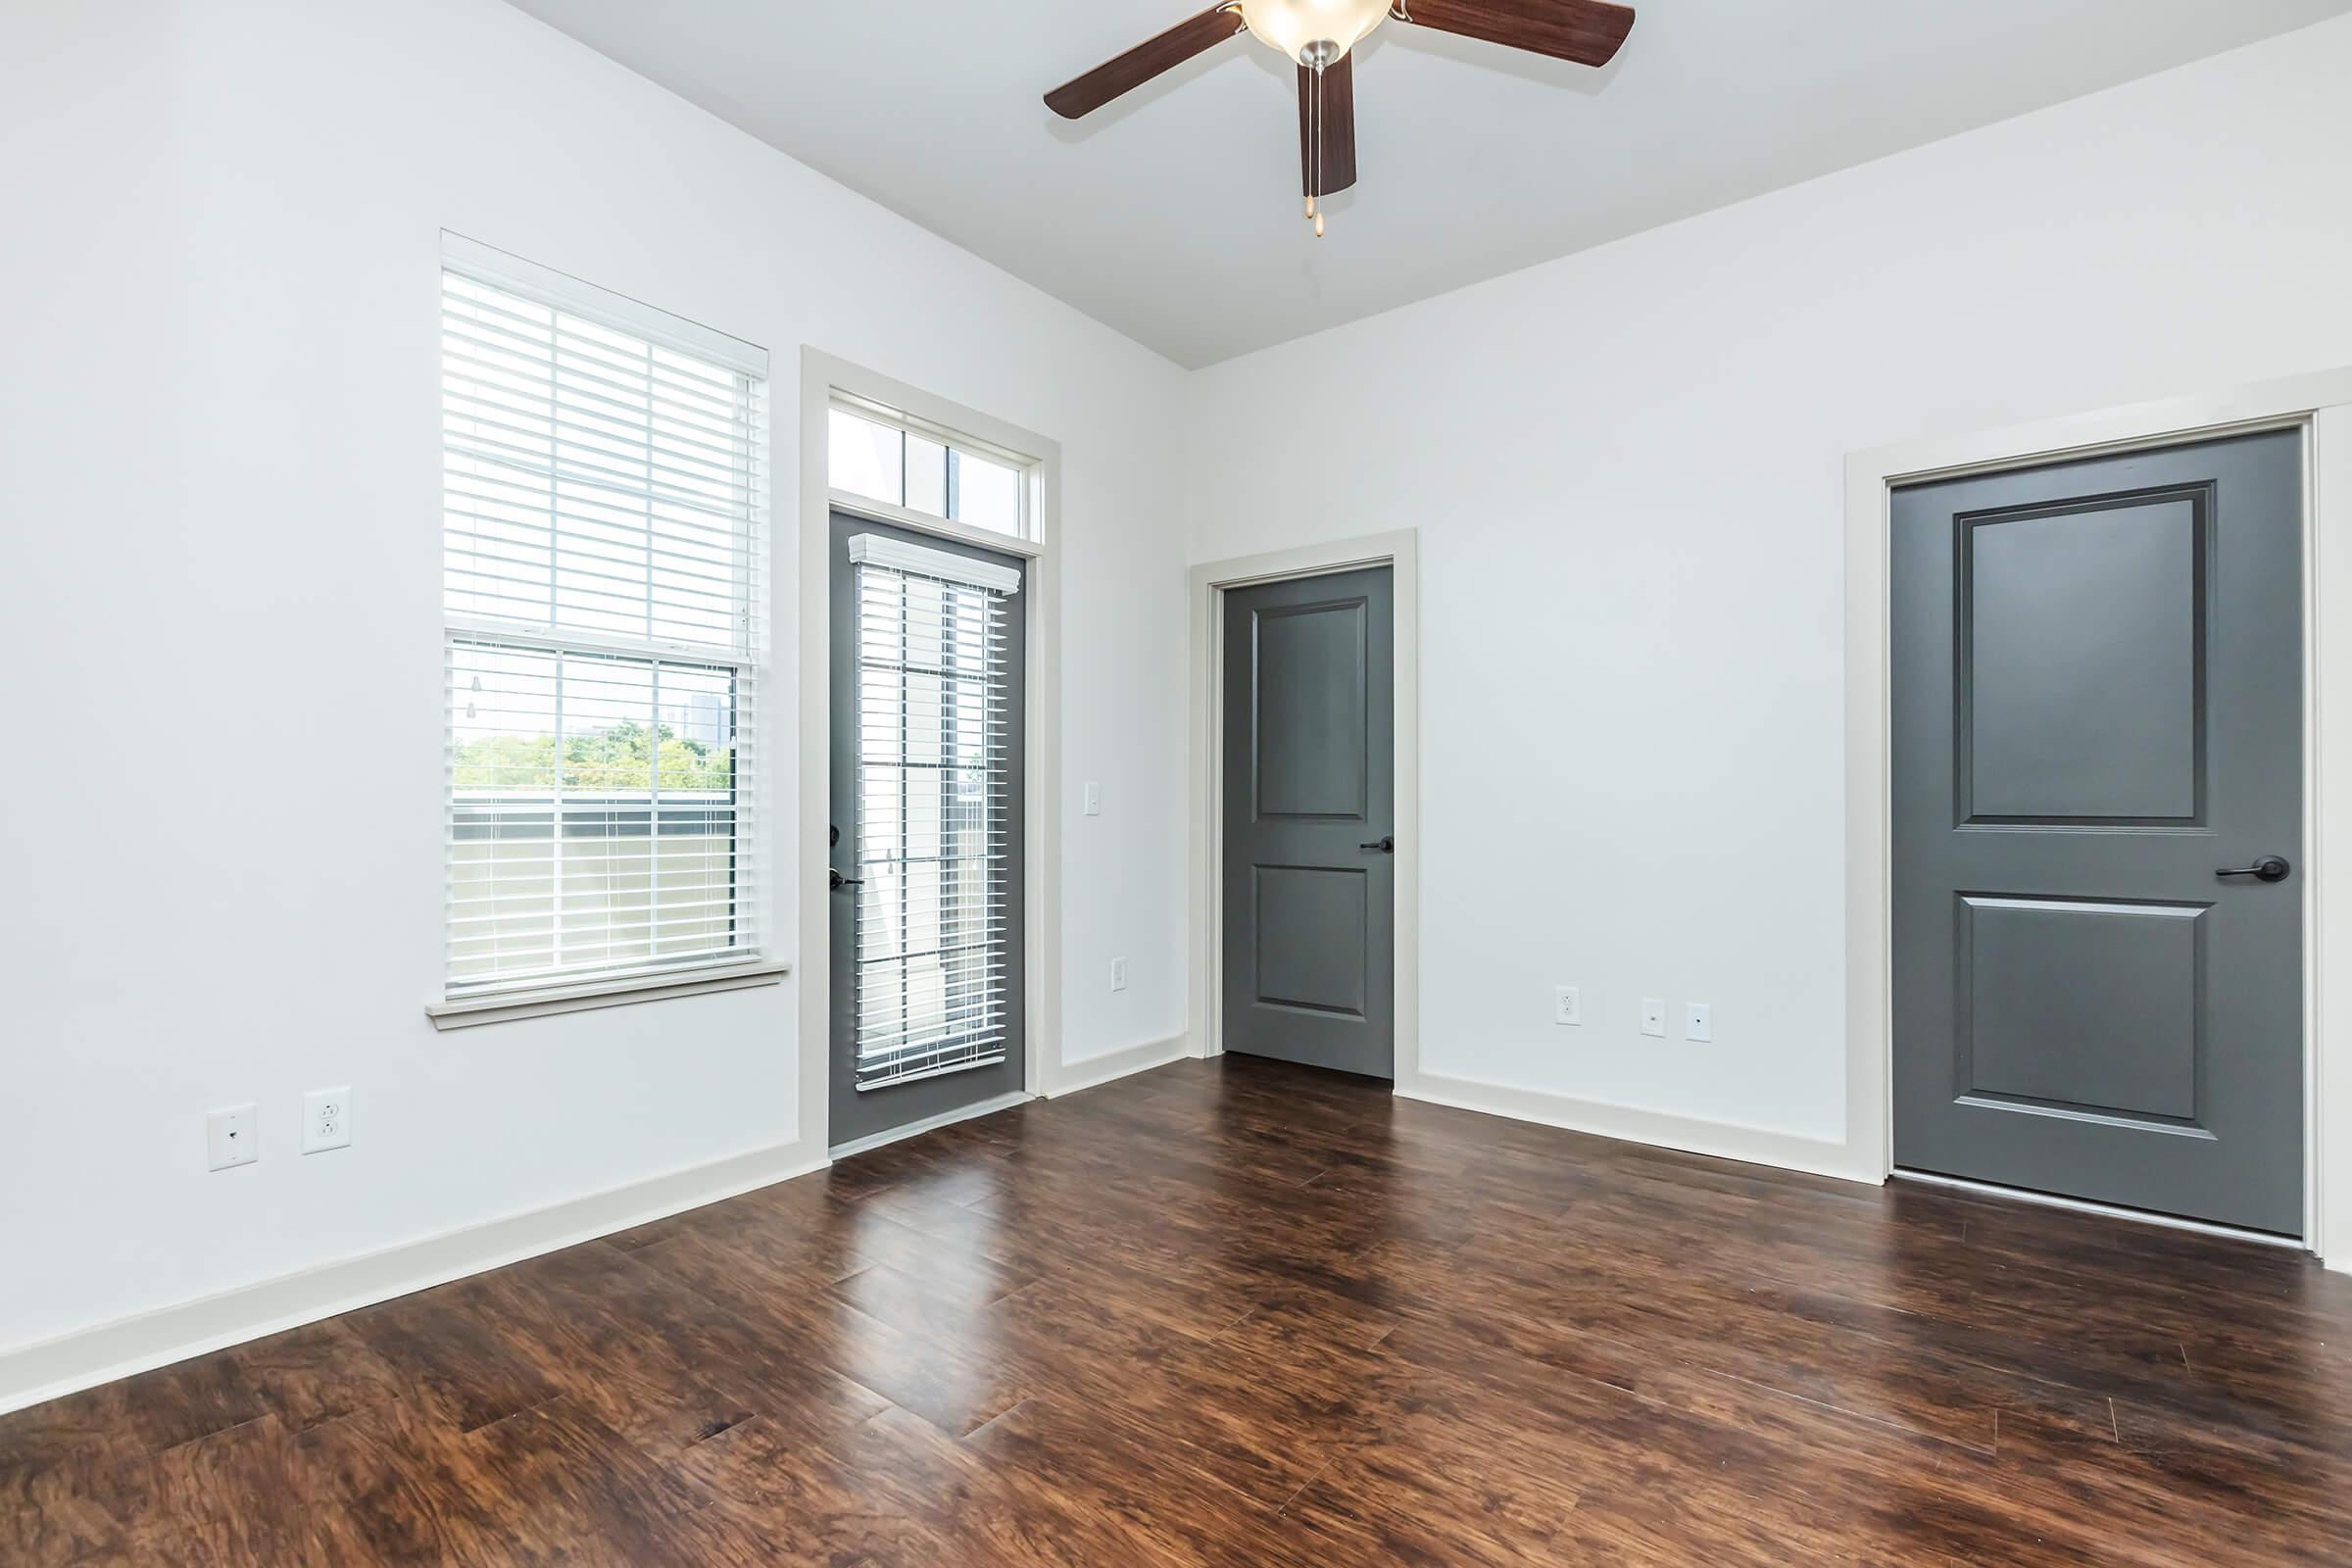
(1247, 1314)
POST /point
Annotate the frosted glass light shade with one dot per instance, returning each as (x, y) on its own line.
(1290, 26)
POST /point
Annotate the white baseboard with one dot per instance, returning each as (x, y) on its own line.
(1753, 1146)
(46, 1369)
(1094, 1070)
(87, 1357)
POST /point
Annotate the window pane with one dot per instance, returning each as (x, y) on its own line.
(502, 812)
(926, 477)
(592, 813)
(694, 839)
(863, 457)
(988, 495)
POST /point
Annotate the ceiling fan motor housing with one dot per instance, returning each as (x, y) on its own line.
(1314, 32)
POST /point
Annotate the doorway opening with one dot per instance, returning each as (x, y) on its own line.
(2098, 812)
(929, 926)
(2316, 412)
(1305, 930)
(929, 799)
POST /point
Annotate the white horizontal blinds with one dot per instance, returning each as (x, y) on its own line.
(933, 800)
(593, 482)
(594, 823)
(602, 496)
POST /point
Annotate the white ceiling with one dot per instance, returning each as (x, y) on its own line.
(1174, 215)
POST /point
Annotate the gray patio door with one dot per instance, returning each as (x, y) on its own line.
(927, 799)
(2098, 691)
(1310, 808)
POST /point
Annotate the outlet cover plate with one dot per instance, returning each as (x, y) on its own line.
(229, 1137)
(1698, 1021)
(1567, 1006)
(326, 1120)
(1653, 1016)
(1118, 974)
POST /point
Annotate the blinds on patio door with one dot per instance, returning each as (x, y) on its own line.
(933, 794)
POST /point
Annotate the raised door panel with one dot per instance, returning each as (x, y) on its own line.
(1312, 922)
(1308, 741)
(2091, 1007)
(2080, 699)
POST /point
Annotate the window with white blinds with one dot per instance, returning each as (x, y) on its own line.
(934, 792)
(602, 486)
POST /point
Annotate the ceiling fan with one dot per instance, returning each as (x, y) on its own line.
(1319, 34)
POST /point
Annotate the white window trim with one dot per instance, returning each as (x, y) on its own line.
(734, 974)
(755, 965)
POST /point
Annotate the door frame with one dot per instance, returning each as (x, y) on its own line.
(1400, 551)
(823, 377)
(2320, 406)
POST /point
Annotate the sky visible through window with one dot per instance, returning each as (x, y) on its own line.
(883, 462)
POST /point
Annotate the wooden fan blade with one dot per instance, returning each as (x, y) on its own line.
(1585, 31)
(1083, 95)
(1338, 131)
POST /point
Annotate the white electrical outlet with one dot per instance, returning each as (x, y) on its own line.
(1698, 1021)
(1118, 974)
(1653, 1016)
(1567, 1006)
(1093, 798)
(326, 1120)
(230, 1137)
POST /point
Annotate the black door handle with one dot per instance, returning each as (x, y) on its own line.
(1386, 845)
(836, 881)
(2268, 868)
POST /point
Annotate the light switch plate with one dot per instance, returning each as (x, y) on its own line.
(1698, 1021)
(229, 1137)
(1093, 798)
(1118, 974)
(1653, 1016)
(326, 1120)
(1567, 1006)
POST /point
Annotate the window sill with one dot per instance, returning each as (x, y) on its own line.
(470, 1011)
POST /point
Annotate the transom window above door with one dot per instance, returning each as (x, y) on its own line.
(886, 456)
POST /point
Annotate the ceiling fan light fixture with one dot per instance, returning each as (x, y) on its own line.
(1296, 26)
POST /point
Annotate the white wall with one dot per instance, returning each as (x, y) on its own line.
(1627, 467)
(219, 602)
(220, 585)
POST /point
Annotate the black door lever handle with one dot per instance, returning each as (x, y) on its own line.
(1386, 845)
(836, 881)
(2268, 868)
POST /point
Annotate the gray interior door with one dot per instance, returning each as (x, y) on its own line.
(2097, 718)
(1309, 808)
(927, 851)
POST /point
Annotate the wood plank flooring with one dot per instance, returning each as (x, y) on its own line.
(1241, 1313)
